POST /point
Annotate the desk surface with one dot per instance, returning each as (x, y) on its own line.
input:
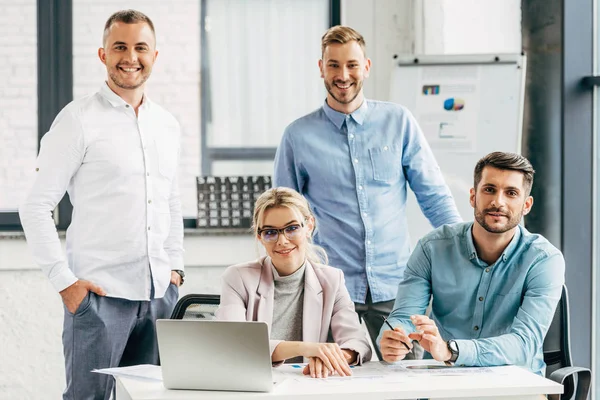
(507, 382)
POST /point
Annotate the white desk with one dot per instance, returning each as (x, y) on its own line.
(504, 383)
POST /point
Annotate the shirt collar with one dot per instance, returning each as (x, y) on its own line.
(116, 101)
(472, 252)
(338, 118)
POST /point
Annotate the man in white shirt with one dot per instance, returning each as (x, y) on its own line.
(116, 153)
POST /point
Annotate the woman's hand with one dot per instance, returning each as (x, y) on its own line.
(325, 359)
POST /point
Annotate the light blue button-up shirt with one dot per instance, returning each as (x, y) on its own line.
(498, 314)
(354, 170)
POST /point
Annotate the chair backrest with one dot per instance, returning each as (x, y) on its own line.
(557, 348)
(196, 306)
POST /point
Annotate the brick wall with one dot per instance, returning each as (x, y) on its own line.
(18, 98)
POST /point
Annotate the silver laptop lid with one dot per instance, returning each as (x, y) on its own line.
(214, 355)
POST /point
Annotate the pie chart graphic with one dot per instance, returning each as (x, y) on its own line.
(453, 104)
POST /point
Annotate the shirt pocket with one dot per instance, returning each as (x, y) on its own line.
(386, 162)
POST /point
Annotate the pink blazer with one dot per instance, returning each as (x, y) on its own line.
(247, 295)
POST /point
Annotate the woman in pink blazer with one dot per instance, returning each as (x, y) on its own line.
(293, 290)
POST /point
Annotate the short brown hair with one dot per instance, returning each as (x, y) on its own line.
(127, 17)
(342, 34)
(506, 161)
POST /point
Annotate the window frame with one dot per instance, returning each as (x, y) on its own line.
(55, 91)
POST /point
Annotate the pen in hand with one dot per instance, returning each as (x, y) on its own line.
(392, 328)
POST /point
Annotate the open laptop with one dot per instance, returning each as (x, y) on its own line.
(214, 355)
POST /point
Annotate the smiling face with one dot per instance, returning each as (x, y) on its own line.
(500, 200)
(129, 54)
(343, 69)
(286, 254)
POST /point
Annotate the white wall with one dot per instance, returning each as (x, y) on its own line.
(30, 311)
(471, 26)
(18, 98)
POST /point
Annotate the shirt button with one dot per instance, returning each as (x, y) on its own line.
(481, 299)
(149, 201)
(365, 215)
(351, 136)
(126, 105)
(476, 328)
(147, 173)
(148, 228)
(385, 148)
(356, 161)
(369, 242)
(487, 270)
(360, 187)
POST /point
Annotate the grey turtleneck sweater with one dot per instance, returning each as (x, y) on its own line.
(288, 305)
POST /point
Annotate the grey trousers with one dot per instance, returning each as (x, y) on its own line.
(108, 332)
(372, 314)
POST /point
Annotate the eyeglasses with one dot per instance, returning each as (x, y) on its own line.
(291, 232)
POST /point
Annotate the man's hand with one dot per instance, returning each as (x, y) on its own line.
(175, 278)
(350, 355)
(74, 294)
(429, 337)
(394, 344)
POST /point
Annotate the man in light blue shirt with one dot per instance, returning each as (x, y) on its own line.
(495, 286)
(353, 160)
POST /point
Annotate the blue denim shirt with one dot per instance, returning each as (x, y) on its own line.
(354, 170)
(498, 314)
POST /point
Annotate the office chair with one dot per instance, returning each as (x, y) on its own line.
(557, 355)
(196, 306)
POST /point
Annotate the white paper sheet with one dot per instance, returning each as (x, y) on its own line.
(144, 371)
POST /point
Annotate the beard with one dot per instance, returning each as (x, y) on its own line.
(350, 97)
(116, 78)
(512, 219)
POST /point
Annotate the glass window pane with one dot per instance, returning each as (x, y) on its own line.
(18, 100)
(262, 68)
(242, 168)
(175, 80)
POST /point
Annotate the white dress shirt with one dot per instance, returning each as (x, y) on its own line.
(121, 174)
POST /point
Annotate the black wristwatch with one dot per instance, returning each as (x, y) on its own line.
(453, 347)
(181, 274)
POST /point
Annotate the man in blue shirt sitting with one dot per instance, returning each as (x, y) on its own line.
(495, 286)
(353, 159)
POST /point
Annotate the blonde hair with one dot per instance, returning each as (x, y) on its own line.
(286, 197)
(342, 35)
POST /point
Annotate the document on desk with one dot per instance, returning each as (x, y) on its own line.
(437, 369)
(144, 372)
(373, 372)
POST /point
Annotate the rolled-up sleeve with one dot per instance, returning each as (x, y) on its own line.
(61, 154)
